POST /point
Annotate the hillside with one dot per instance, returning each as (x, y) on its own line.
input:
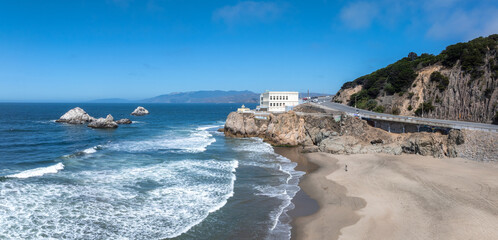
(458, 84)
(216, 96)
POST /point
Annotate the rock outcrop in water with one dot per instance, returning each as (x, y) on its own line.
(339, 135)
(124, 121)
(140, 111)
(107, 122)
(76, 116)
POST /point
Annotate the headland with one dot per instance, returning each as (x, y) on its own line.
(363, 182)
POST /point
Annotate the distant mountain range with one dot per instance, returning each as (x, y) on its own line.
(215, 96)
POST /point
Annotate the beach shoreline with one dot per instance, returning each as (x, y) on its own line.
(312, 201)
(393, 197)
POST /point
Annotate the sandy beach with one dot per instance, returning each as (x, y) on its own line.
(399, 197)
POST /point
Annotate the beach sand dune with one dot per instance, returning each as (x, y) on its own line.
(400, 197)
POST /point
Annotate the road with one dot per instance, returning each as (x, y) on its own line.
(326, 102)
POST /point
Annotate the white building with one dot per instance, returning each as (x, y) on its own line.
(278, 101)
(243, 109)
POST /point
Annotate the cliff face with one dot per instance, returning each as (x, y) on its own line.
(459, 84)
(283, 129)
(338, 134)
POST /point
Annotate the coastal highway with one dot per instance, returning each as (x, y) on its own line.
(326, 102)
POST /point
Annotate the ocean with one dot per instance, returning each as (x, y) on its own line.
(169, 175)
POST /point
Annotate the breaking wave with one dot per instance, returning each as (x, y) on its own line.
(260, 152)
(192, 141)
(153, 202)
(37, 172)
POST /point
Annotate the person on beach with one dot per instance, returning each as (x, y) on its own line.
(346, 168)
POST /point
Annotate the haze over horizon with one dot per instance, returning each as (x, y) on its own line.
(83, 50)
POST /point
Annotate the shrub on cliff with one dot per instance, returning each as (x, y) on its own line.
(371, 104)
(379, 109)
(441, 80)
(395, 111)
(425, 107)
(495, 118)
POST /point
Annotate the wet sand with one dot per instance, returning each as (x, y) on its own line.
(304, 204)
(399, 197)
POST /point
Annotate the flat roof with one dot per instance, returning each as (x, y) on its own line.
(280, 92)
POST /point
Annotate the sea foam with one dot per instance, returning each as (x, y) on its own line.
(37, 172)
(263, 155)
(191, 141)
(148, 202)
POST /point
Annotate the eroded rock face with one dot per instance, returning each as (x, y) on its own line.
(347, 136)
(76, 116)
(464, 99)
(244, 125)
(286, 129)
(140, 111)
(425, 144)
(124, 121)
(107, 122)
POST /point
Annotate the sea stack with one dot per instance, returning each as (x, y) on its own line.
(76, 116)
(140, 111)
(107, 122)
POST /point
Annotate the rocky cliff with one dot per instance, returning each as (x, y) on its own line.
(459, 84)
(339, 134)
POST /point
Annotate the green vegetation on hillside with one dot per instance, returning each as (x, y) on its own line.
(395, 78)
(399, 76)
(442, 80)
(471, 54)
(425, 107)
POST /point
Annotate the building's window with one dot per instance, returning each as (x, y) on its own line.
(286, 97)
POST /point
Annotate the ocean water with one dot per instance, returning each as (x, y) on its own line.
(169, 175)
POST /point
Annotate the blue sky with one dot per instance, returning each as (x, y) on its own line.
(81, 50)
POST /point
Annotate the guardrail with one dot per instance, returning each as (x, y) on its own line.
(418, 121)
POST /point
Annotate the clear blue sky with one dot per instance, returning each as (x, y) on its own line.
(81, 50)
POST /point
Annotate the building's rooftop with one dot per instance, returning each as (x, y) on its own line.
(280, 91)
